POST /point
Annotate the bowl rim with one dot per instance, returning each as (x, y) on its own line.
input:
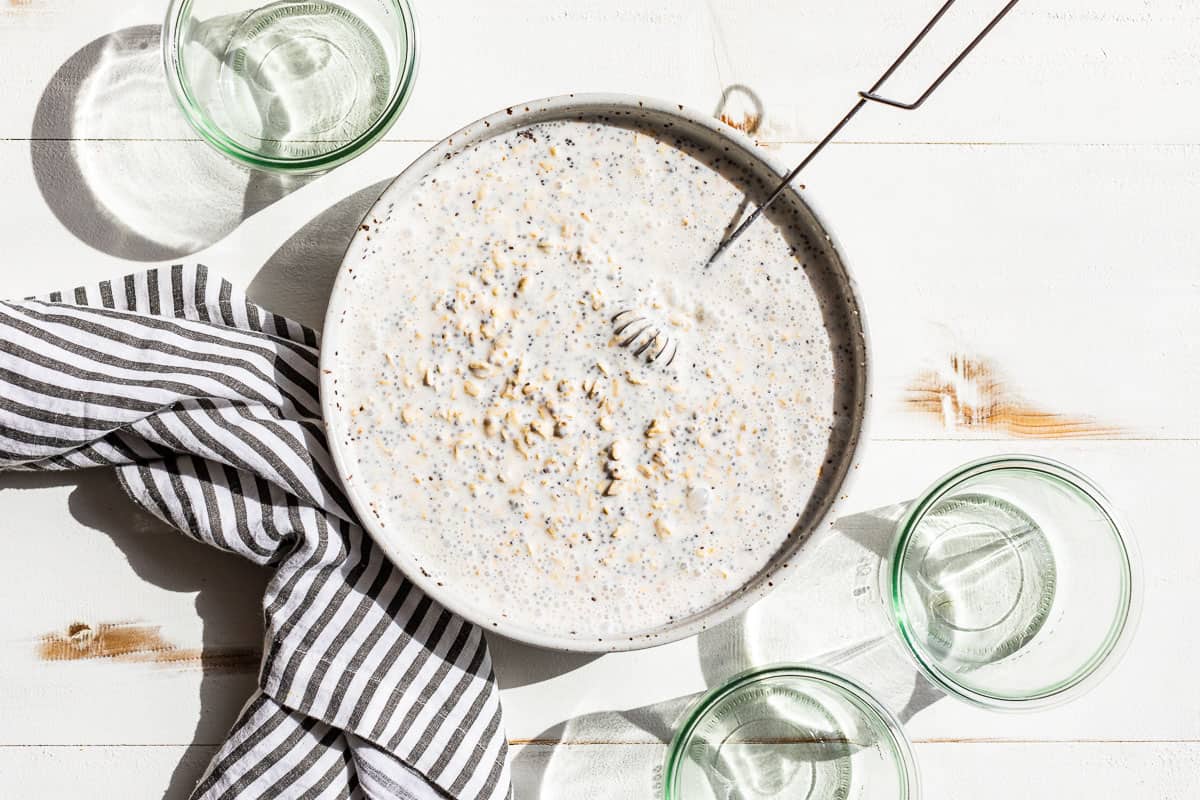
(560, 107)
(1099, 665)
(901, 747)
(222, 143)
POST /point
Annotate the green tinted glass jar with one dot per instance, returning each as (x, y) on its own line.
(291, 86)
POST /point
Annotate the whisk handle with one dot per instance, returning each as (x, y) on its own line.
(871, 95)
(966, 51)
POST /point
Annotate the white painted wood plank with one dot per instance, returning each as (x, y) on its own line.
(1050, 771)
(1052, 263)
(552, 696)
(1053, 72)
(1057, 263)
(78, 556)
(1054, 771)
(1103, 276)
(80, 212)
(1164, 771)
(1074, 270)
(96, 773)
(819, 617)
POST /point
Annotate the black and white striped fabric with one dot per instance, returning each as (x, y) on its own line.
(208, 407)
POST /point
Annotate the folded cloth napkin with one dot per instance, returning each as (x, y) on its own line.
(207, 406)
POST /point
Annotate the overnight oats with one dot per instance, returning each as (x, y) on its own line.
(557, 408)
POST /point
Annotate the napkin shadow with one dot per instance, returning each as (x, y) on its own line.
(228, 595)
(297, 280)
(120, 167)
(836, 577)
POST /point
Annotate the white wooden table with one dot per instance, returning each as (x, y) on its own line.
(1037, 219)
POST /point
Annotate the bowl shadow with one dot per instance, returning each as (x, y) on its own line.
(296, 281)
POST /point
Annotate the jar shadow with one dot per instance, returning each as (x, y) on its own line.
(120, 167)
(829, 614)
(839, 576)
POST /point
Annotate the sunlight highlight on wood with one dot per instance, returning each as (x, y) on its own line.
(970, 394)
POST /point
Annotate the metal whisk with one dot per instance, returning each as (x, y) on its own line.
(864, 97)
(648, 338)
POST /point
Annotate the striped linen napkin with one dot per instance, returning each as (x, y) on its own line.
(207, 406)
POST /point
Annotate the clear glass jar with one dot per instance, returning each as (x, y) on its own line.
(790, 731)
(291, 86)
(1012, 583)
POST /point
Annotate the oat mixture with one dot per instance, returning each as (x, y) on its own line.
(496, 421)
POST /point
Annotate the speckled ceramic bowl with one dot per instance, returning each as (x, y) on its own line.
(825, 268)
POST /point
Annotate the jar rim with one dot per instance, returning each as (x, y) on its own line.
(884, 721)
(1088, 674)
(194, 112)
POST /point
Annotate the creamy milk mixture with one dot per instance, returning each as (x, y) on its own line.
(494, 421)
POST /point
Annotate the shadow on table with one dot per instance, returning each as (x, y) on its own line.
(228, 592)
(118, 192)
(829, 614)
(297, 280)
(518, 664)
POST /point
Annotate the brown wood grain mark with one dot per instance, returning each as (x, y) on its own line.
(749, 123)
(970, 393)
(130, 642)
